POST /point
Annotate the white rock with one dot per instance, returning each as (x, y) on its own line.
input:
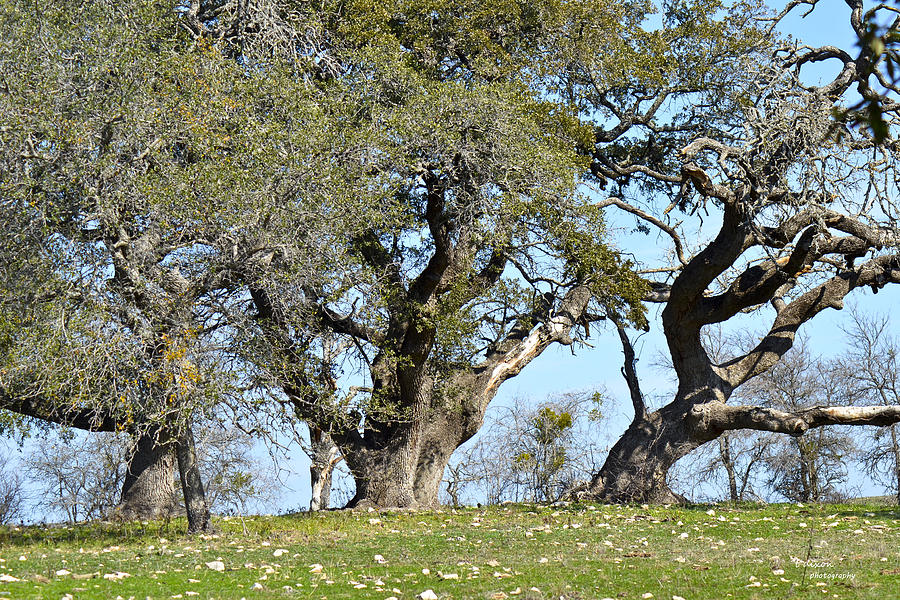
(316, 568)
(63, 572)
(427, 595)
(8, 578)
(379, 559)
(216, 565)
(279, 552)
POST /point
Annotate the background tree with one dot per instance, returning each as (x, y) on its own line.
(238, 480)
(734, 467)
(872, 367)
(529, 452)
(12, 494)
(79, 477)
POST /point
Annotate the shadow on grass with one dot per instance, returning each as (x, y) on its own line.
(98, 532)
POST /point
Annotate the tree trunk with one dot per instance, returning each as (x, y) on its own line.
(637, 465)
(148, 492)
(325, 455)
(384, 478)
(447, 430)
(895, 450)
(191, 482)
(725, 452)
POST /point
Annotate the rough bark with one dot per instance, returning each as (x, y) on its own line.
(191, 482)
(149, 489)
(636, 467)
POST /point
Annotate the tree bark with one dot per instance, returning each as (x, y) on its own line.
(384, 476)
(637, 465)
(148, 492)
(895, 450)
(325, 455)
(728, 463)
(191, 482)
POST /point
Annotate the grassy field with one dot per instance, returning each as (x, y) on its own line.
(520, 551)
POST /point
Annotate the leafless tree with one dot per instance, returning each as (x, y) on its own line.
(872, 365)
(12, 494)
(530, 452)
(79, 475)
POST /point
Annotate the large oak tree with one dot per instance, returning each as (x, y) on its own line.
(802, 203)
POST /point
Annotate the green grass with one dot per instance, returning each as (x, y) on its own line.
(521, 551)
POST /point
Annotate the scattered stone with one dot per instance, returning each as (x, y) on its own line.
(427, 595)
(216, 565)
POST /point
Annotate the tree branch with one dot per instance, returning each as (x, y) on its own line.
(875, 273)
(630, 374)
(676, 239)
(514, 353)
(711, 419)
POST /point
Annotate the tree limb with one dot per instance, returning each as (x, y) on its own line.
(711, 419)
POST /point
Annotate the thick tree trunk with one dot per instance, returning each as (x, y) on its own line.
(384, 476)
(191, 482)
(447, 430)
(149, 489)
(638, 464)
(384, 461)
(324, 456)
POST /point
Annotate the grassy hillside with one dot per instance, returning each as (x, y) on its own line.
(522, 551)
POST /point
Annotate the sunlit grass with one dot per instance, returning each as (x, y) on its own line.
(524, 551)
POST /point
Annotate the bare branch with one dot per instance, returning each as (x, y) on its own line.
(670, 231)
(716, 417)
(630, 374)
